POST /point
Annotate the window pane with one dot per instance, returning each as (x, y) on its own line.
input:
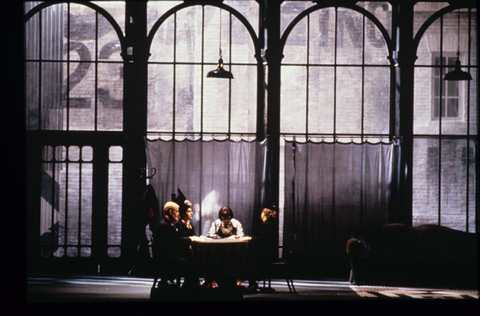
(81, 104)
(429, 43)
(423, 122)
(453, 188)
(73, 153)
(117, 10)
(115, 154)
(425, 181)
(160, 98)
(216, 105)
(295, 50)
(51, 97)
(243, 50)
(349, 100)
(293, 96)
(377, 100)
(114, 231)
(376, 51)
(471, 102)
(322, 36)
(187, 98)
(321, 100)
(349, 37)
(162, 44)
(32, 95)
(189, 36)
(244, 99)
(110, 97)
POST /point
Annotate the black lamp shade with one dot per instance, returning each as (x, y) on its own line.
(457, 74)
(220, 72)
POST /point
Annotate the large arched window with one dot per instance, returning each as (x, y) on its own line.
(336, 74)
(445, 117)
(74, 93)
(186, 42)
(336, 100)
(74, 67)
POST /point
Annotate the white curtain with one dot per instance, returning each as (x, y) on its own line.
(211, 174)
(331, 189)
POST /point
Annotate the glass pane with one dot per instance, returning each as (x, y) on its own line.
(32, 37)
(349, 100)
(350, 30)
(114, 252)
(110, 97)
(249, 9)
(49, 208)
(473, 39)
(51, 97)
(162, 47)
(60, 153)
(82, 32)
(87, 153)
(453, 184)
(73, 204)
(381, 10)
(423, 10)
(32, 95)
(73, 153)
(471, 105)
(114, 230)
(216, 104)
(376, 100)
(290, 9)
(429, 44)
(108, 43)
(244, 99)
(81, 104)
(160, 98)
(321, 100)
(295, 50)
(426, 158)
(52, 36)
(471, 159)
(424, 105)
(155, 9)
(86, 205)
(216, 36)
(116, 9)
(189, 35)
(187, 98)
(322, 36)
(243, 50)
(115, 154)
(293, 98)
(376, 51)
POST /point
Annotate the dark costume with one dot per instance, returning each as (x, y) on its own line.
(166, 250)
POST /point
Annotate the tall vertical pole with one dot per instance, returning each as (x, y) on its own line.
(405, 60)
(274, 58)
(135, 121)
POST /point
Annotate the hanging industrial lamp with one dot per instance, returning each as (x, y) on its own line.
(220, 72)
(458, 74)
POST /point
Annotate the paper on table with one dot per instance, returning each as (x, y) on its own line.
(229, 239)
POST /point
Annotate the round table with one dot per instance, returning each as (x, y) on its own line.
(222, 259)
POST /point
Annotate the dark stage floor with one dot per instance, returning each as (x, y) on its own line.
(71, 294)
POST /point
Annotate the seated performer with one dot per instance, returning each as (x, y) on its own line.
(225, 226)
(166, 250)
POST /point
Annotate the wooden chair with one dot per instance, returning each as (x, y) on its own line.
(284, 267)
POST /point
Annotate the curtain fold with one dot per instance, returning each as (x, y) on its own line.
(211, 174)
(332, 189)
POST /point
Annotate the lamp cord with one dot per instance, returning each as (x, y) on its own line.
(220, 43)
